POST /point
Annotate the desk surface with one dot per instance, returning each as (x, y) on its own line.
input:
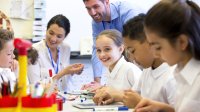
(67, 107)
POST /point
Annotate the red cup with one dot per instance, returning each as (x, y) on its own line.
(7, 101)
(59, 102)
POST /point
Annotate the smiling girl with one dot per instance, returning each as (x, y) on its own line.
(121, 74)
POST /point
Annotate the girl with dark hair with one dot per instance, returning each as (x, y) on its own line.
(173, 30)
(54, 55)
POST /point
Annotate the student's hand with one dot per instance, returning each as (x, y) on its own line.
(107, 95)
(97, 79)
(14, 66)
(92, 86)
(147, 105)
(102, 97)
(131, 98)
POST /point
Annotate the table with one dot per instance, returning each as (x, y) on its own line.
(67, 107)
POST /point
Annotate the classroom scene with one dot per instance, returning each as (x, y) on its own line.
(100, 56)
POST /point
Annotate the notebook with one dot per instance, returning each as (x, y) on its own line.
(92, 105)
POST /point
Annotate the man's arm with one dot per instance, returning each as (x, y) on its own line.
(97, 66)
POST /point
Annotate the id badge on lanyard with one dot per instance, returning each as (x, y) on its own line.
(55, 66)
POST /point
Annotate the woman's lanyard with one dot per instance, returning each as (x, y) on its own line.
(52, 61)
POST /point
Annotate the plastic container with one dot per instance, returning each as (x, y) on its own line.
(44, 104)
(59, 103)
(8, 104)
(55, 105)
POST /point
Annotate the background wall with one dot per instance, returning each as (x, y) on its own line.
(22, 28)
(74, 11)
(79, 19)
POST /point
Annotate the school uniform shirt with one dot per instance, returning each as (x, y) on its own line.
(40, 70)
(6, 75)
(124, 75)
(121, 12)
(158, 84)
(188, 87)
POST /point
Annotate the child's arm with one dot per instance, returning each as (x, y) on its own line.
(107, 95)
(133, 76)
(15, 65)
(147, 105)
(131, 98)
(169, 90)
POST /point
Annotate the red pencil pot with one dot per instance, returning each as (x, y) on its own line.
(43, 104)
(59, 103)
(8, 104)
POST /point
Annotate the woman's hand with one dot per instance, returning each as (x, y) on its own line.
(74, 69)
(131, 98)
(71, 69)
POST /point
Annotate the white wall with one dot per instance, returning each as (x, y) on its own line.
(22, 28)
(79, 19)
(74, 11)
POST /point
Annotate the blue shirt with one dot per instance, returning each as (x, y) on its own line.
(121, 11)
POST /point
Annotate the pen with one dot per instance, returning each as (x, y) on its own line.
(77, 92)
(62, 96)
(5, 87)
(66, 97)
(103, 109)
(82, 99)
(50, 73)
(38, 90)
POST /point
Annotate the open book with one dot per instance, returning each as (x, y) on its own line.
(92, 105)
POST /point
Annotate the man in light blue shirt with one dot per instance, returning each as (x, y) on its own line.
(107, 15)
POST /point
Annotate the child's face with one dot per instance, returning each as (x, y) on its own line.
(6, 55)
(107, 51)
(139, 52)
(170, 54)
